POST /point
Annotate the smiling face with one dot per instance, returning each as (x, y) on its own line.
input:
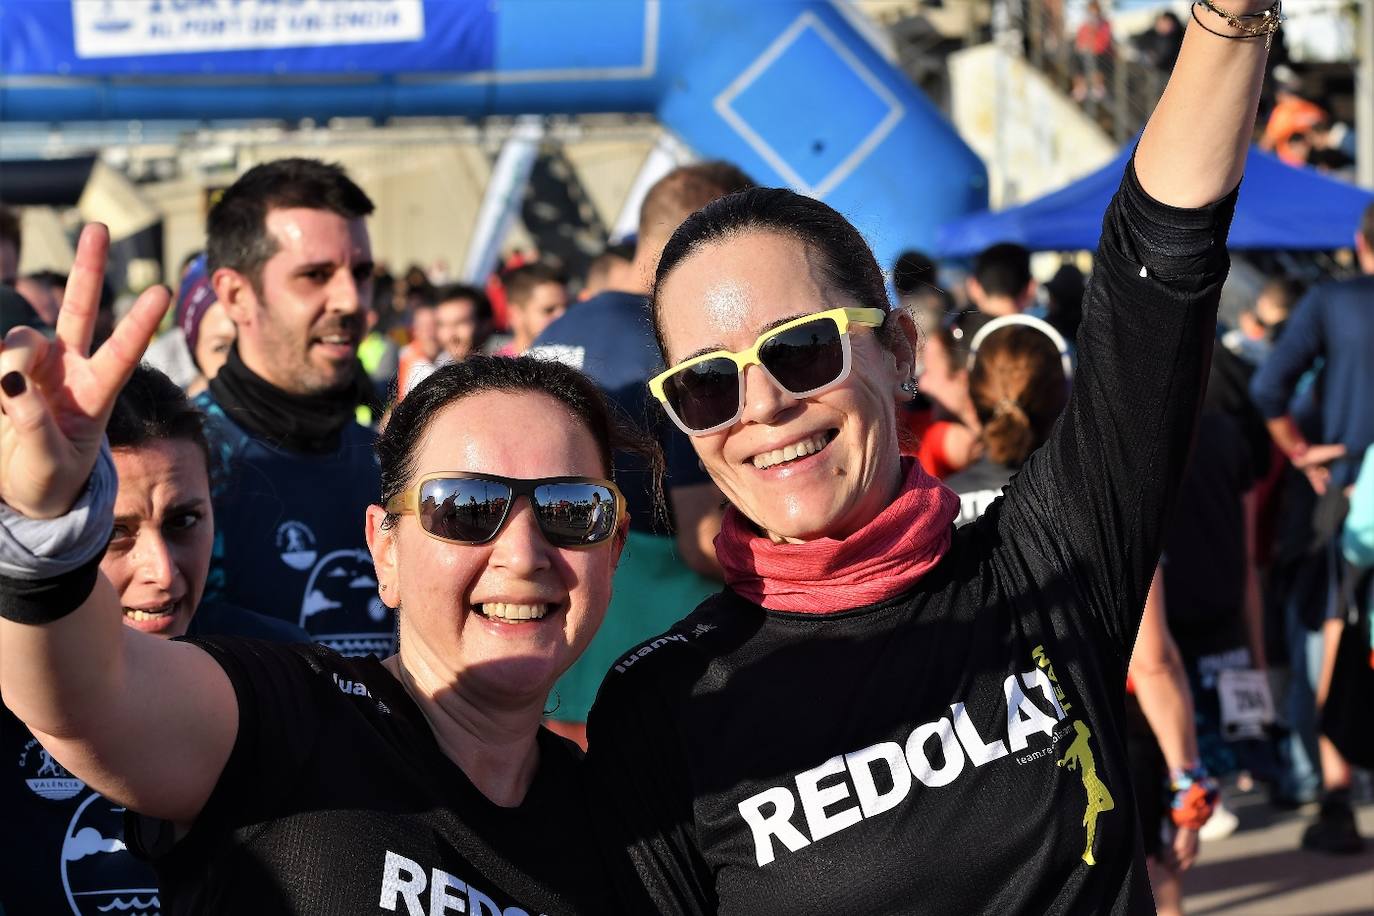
(301, 323)
(159, 552)
(498, 621)
(722, 297)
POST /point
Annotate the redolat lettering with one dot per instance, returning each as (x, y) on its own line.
(935, 754)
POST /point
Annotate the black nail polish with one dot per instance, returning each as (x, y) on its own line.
(13, 384)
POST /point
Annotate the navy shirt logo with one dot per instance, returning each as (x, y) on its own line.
(296, 544)
(46, 777)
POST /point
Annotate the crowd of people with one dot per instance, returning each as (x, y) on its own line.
(1299, 122)
(714, 581)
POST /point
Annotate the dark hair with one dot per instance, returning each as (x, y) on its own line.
(481, 305)
(1065, 291)
(847, 263)
(913, 270)
(237, 230)
(685, 190)
(1367, 225)
(1003, 269)
(521, 282)
(9, 226)
(151, 408)
(479, 373)
(1018, 388)
(50, 279)
(9, 230)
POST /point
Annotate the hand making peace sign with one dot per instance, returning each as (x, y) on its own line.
(57, 396)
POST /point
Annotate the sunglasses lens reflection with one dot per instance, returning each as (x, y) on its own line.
(471, 511)
(575, 514)
(463, 510)
(802, 359)
(704, 395)
(806, 357)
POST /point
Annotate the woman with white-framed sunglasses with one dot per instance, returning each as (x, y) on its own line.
(274, 779)
(879, 713)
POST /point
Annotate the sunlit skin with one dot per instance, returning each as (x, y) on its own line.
(546, 304)
(300, 326)
(838, 490)
(448, 649)
(217, 335)
(456, 327)
(159, 551)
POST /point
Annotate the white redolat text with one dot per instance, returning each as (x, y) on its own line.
(769, 813)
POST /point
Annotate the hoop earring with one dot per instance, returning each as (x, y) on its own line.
(557, 702)
(909, 389)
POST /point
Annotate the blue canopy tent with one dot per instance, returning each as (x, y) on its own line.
(1280, 208)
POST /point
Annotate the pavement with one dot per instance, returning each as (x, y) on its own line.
(1260, 870)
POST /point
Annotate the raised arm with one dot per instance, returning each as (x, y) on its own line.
(1093, 499)
(147, 723)
(1193, 150)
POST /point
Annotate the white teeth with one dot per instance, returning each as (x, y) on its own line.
(787, 453)
(149, 613)
(336, 340)
(508, 612)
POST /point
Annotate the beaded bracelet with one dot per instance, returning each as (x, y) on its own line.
(1267, 21)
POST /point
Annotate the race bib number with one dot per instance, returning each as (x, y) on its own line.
(1247, 707)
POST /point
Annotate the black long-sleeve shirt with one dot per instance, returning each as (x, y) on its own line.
(959, 748)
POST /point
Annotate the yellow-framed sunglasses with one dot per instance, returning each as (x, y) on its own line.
(805, 357)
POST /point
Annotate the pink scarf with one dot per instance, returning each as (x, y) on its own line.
(877, 562)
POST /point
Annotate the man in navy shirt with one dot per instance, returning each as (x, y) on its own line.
(1332, 331)
(291, 261)
(669, 564)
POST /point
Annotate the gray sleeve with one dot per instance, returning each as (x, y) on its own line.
(44, 548)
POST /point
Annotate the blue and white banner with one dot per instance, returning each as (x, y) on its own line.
(120, 28)
(792, 90)
(102, 37)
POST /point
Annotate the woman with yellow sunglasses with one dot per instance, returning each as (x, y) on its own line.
(290, 779)
(880, 713)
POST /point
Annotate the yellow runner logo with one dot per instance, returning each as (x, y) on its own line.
(1079, 757)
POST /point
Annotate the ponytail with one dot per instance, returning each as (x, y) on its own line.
(1019, 388)
(1007, 434)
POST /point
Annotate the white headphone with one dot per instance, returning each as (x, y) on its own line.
(1030, 321)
